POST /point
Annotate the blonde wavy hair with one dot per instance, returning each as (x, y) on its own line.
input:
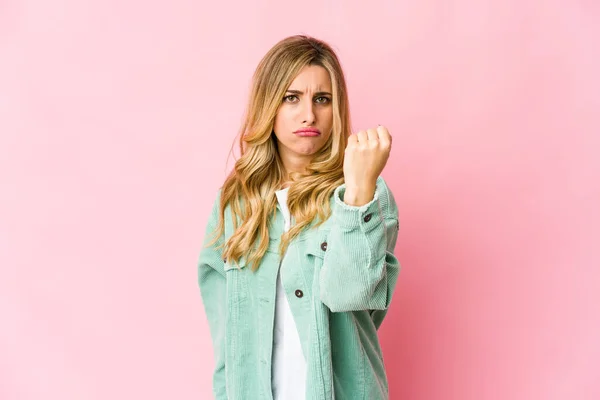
(249, 190)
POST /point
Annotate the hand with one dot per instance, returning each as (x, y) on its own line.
(366, 154)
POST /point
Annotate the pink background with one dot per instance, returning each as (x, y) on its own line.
(116, 119)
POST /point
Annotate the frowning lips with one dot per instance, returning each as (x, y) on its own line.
(308, 132)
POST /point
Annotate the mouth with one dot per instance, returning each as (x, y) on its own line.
(307, 132)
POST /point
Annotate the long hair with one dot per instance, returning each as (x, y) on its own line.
(249, 189)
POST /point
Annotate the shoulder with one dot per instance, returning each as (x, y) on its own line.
(216, 202)
(224, 216)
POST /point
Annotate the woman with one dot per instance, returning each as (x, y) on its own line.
(298, 269)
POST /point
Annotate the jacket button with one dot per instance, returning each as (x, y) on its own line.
(324, 246)
(299, 293)
(367, 217)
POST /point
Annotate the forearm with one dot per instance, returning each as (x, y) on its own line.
(359, 268)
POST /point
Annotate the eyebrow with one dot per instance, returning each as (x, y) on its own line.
(300, 92)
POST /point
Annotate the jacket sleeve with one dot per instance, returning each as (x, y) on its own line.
(211, 279)
(359, 270)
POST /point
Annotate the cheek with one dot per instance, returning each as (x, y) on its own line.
(282, 119)
(327, 114)
(283, 125)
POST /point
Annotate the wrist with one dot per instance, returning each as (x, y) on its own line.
(359, 195)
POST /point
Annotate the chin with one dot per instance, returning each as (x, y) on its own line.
(307, 152)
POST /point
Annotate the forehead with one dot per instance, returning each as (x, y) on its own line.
(312, 77)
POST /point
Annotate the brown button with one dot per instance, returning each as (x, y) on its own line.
(299, 293)
(324, 246)
(367, 217)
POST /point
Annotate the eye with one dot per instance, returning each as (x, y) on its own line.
(287, 98)
(323, 100)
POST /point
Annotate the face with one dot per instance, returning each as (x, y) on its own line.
(307, 105)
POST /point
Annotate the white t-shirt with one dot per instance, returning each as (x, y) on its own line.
(289, 365)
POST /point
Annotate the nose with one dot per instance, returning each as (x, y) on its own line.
(308, 113)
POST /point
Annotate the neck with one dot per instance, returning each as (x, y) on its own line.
(294, 163)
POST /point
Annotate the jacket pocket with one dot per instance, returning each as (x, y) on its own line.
(316, 242)
(273, 247)
(228, 266)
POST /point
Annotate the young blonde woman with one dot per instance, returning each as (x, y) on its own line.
(297, 269)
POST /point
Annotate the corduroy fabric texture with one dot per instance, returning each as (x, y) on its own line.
(339, 279)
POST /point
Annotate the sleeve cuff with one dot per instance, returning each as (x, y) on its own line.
(349, 217)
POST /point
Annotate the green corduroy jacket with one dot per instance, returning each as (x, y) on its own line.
(339, 279)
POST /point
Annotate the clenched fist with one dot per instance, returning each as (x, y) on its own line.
(366, 155)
